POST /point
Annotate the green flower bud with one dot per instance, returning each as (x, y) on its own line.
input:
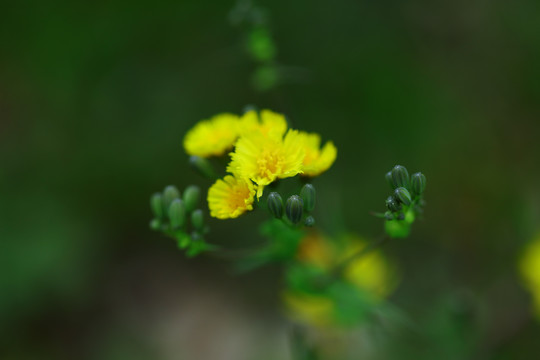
(400, 177)
(202, 166)
(392, 204)
(388, 178)
(388, 215)
(156, 204)
(177, 213)
(155, 224)
(403, 196)
(310, 221)
(401, 216)
(418, 183)
(169, 194)
(197, 219)
(294, 209)
(191, 197)
(275, 205)
(308, 197)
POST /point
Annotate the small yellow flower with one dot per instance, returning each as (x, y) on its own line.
(230, 197)
(269, 124)
(264, 159)
(369, 272)
(308, 308)
(212, 137)
(315, 249)
(317, 160)
(529, 267)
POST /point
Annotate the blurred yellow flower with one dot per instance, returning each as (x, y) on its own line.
(269, 124)
(264, 159)
(316, 250)
(212, 137)
(529, 267)
(317, 160)
(312, 309)
(369, 273)
(230, 197)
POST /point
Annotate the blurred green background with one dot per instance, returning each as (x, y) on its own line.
(95, 98)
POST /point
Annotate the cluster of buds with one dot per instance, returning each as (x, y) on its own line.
(406, 200)
(177, 216)
(297, 207)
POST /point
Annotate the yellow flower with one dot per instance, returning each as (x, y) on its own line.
(370, 272)
(270, 123)
(317, 160)
(308, 308)
(212, 137)
(264, 159)
(315, 249)
(230, 197)
(529, 267)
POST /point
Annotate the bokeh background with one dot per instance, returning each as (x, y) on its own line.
(95, 98)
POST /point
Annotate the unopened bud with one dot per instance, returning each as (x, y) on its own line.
(400, 177)
(294, 209)
(155, 224)
(177, 213)
(202, 166)
(388, 178)
(418, 183)
(403, 196)
(197, 219)
(392, 204)
(310, 221)
(275, 205)
(401, 216)
(156, 204)
(191, 197)
(308, 196)
(169, 194)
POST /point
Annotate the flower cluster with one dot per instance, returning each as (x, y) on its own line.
(264, 150)
(176, 215)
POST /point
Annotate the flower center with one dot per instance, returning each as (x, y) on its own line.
(270, 163)
(238, 196)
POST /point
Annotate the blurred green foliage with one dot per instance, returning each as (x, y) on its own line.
(94, 101)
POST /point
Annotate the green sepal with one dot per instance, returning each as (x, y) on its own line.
(294, 209)
(400, 177)
(191, 197)
(156, 204)
(170, 193)
(177, 214)
(308, 196)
